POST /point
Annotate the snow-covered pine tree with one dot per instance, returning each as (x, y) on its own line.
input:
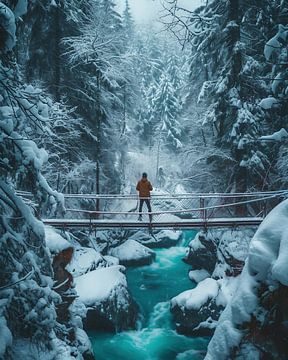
(166, 107)
(28, 304)
(275, 107)
(99, 54)
(128, 23)
(224, 37)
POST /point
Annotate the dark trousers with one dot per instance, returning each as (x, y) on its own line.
(147, 201)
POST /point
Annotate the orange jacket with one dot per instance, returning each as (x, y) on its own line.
(144, 187)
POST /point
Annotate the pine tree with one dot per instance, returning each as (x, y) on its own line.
(128, 23)
(165, 111)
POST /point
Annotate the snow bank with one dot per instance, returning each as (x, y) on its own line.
(195, 298)
(266, 264)
(269, 248)
(99, 285)
(54, 241)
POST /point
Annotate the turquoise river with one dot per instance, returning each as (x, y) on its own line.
(152, 287)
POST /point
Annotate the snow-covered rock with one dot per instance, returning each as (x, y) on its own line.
(132, 253)
(217, 258)
(259, 305)
(106, 295)
(192, 308)
(164, 238)
(202, 253)
(85, 260)
(54, 241)
(197, 297)
(196, 311)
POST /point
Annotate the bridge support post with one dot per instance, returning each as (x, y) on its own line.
(203, 211)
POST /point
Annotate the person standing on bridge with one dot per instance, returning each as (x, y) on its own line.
(144, 187)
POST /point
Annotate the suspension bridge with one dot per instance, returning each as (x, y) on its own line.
(184, 211)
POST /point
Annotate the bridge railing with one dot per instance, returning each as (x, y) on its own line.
(167, 207)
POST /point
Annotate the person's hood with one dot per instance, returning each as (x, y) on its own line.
(144, 180)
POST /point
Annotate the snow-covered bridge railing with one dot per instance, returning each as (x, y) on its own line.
(168, 210)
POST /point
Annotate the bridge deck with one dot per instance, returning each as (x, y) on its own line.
(181, 223)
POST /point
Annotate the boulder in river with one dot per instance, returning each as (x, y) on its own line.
(161, 239)
(110, 305)
(196, 311)
(132, 253)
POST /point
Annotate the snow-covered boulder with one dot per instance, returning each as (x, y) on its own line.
(193, 308)
(197, 311)
(110, 305)
(219, 252)
(132, 253)
(202, 253)
(256, 316)
(54, 241)
(217, 258)
(162, 239)
(87, 259)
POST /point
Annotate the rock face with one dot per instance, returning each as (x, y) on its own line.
(132, 253)
(110, 305)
